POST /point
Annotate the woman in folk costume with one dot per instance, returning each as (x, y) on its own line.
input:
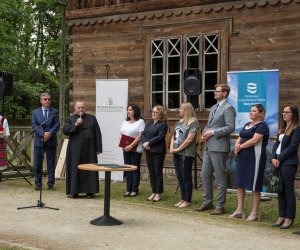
(4, 134)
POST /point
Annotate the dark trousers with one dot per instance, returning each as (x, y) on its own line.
(183, 168)
(38, 165)
(287, 199)
(133, 177)
(155, 164)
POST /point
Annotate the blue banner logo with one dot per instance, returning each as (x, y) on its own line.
(252, 87)
(252, 90)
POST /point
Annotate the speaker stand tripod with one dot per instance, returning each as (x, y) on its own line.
(19, 172)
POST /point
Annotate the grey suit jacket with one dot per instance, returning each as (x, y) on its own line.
(222, 122)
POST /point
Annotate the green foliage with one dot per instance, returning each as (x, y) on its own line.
(30, 38)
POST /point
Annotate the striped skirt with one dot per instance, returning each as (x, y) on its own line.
(3, 157)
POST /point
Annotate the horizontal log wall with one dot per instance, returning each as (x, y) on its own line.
(260, 37)
(263, 38)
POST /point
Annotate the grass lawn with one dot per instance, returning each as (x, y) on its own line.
(268, 209)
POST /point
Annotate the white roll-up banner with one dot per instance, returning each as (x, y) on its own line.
(111, 104)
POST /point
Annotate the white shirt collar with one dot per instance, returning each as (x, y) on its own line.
(221, 102)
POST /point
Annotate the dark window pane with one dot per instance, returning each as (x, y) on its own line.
(210, 80)
(157, 65)
(193, 62)
(209, 99)
(173, 82)
(173, 100)
(211, 44)
(157, 48)
(174, 47)
(194, 100)
(157, 83)
(157, 99)
(174, 65)
(193, 46)
(211, 62)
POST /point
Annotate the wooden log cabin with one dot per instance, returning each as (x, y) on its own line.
(152, 42)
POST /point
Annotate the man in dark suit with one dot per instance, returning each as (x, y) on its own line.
(45, 123)
(216, 135)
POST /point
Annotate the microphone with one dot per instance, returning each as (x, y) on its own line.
(80, 114)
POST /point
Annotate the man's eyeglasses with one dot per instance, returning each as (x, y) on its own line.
(154, 112)
(285, 112)
(218, 91)
(47, 99)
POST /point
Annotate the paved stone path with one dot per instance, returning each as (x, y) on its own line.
(145, 227)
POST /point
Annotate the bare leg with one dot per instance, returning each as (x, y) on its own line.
(239, 212)
(255, 202)
(241, 199)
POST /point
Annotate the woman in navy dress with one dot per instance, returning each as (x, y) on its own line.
(250, 149)
(285, 157)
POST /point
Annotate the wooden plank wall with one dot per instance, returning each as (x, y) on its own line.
(269, 39)
(101, 51)
(264, 38)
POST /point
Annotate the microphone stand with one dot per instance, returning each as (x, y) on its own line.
(19, 172)
(40, 204)
(15, 168)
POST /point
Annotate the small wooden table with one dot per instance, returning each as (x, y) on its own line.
(106, 219)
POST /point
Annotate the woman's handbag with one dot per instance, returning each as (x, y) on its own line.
(274, 182)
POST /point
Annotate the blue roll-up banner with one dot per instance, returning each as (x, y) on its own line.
(251, 87)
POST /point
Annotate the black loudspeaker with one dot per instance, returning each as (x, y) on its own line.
(6, 83)
(192, 82)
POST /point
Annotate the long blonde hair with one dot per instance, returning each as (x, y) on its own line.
(189, 115)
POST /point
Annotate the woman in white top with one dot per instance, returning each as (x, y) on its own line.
(132, 128)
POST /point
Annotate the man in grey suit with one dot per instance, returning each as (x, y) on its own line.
(216, 135)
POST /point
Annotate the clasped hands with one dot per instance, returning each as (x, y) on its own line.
(275, 163)
(46, 136)
(237, 148)
(206, 134)
(146, 146)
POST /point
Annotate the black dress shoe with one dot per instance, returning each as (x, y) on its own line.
(288, 226)
(37, 188)
(89, 195)
(278, 224)
(73, 195)
(51, 188)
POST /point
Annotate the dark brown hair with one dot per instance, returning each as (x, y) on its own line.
(136, 112)
(283, 126)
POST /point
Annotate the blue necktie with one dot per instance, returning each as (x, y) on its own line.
(46, 114)
(216, 108)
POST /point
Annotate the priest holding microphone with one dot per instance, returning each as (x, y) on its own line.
(85, 143)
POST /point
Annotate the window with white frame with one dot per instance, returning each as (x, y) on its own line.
(170, 56)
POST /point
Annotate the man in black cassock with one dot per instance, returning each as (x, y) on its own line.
(85, 143)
